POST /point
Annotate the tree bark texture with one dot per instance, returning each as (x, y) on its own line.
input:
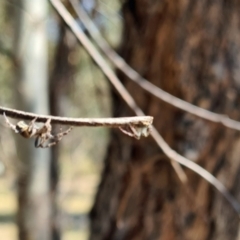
(190, 49)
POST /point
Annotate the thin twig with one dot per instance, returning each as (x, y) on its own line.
(73, 25)
(196, 168)
(121, 64)
(142, 121)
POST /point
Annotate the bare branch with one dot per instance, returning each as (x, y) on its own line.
(137, 122)
(121, 64)
(73, 25)
(196, 168)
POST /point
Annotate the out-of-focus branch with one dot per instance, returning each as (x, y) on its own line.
(121, 64)
(139, 122)
(196, 168)
(73, 25)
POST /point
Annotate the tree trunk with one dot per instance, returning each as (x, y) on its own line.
(59, 85)
(190, 49)
(32, 95)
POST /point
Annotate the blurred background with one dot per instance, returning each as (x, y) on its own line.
(37, 47)
(98, 183)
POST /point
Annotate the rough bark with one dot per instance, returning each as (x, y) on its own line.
(190, 49)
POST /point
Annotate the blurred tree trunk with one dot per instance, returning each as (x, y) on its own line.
(32, 95)
(62, 74)
(190, 49)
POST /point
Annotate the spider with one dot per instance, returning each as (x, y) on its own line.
(43, 135)
(135, 131)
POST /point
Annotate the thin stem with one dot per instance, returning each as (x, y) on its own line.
(142, 121)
